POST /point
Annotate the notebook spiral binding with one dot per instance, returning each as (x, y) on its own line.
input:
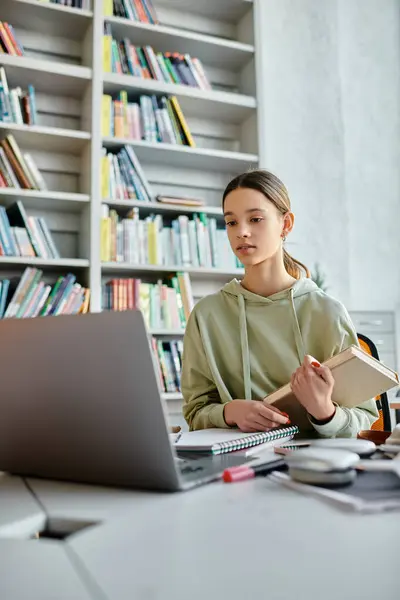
(253, 440)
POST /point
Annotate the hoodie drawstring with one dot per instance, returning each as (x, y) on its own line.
(244, 343)
(245, 348)
(296, 330)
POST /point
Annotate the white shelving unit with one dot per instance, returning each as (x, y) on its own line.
(195, 272)
(50, 139)
(186, 157)
(63, 62)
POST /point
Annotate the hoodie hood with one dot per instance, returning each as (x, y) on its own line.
(300, 288)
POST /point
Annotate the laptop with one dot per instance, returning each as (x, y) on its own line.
(80, 401)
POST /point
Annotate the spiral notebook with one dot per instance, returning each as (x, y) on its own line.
(221, 441)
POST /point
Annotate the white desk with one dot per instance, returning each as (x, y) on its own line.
(239, 541)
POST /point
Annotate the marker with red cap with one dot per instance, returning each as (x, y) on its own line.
(244, 472)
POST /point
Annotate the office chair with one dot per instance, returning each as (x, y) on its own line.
(383, 422)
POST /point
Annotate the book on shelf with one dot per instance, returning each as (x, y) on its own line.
(168, 361)
(9, 43)
(150, 118)
(195, 241)
(21, 235)
(30, 296)
(125, 58)
(180, 201)
(18, 169)
(134, 10)
(16, 105)
(166, 304)
(83, 4)
(122, 177)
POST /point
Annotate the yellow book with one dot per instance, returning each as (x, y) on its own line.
(106, 107)
(105, 178)
(85, 303)
(107, 51)
(114, 223)
(105, 240)
(108, 8)
(144, 301)
(152, 242)
(182, 121)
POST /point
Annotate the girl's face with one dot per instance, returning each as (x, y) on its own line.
(255, 226)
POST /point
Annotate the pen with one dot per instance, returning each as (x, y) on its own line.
(244, 472)
(178, 437)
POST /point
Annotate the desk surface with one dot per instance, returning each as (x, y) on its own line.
(219, 541)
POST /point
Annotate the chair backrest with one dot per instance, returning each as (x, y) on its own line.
(383, 422)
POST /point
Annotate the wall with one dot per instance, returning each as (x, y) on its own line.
(329, 110)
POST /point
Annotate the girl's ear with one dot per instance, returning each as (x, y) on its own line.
(288, 223)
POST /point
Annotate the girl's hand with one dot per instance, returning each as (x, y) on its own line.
(253, 415)
(312, 384)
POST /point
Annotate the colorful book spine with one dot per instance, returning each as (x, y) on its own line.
(165, 305)
(125, 58)
(150, 118)
(123, 178)
(31, 296)
(17, 169)
(134, 10)
(168, 360)
(198, 241)
(9, 41)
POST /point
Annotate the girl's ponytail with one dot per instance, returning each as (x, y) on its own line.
(294, 267)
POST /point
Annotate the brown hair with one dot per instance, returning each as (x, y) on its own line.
(274, 190)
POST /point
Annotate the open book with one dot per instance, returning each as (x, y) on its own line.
(358, 377)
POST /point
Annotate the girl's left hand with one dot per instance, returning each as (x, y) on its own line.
(312, 384)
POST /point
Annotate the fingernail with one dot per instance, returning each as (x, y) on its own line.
(288, 422)
(315, 364)
(286, 415)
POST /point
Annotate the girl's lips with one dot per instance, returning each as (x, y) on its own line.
(245, 249)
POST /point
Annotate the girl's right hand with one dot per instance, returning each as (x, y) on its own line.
(253, 415)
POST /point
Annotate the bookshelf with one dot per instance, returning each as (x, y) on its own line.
(63, 60)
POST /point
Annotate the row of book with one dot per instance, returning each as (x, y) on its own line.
(21, 235)
(124, 58)
(134, 10)
(18, 170)
(187, 242)
(30, 296)
(146, 118)
(122, 177)
(165, 305)
(168, 362)
(84, 4)
(16, 105)
(9, 43)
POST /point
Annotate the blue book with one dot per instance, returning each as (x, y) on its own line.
(5, 285)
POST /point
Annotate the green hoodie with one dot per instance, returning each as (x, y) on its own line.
(241, 345)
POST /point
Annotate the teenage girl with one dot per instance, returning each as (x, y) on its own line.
(272, 327)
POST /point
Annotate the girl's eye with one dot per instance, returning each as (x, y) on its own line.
(230, 223)
(256, 219)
